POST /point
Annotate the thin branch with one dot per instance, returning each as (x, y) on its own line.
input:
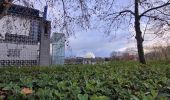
(146, 28)
(163, 13)
(155, 8)
(157, 18)
(64, 15)
(117, 14)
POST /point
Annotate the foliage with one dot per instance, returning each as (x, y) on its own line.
(112, 81)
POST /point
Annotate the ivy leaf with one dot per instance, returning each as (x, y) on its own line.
(95, 97)
(7, 88)
(154, 93)
(83, 96)
(134, 97)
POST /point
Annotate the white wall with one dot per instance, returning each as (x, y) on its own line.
(27, 52)
(14, 25)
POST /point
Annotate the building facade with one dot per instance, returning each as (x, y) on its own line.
(81, 60)
(58, 48)
(24, 38)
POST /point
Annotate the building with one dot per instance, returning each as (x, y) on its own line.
(24, 37)
(74, 61)
(89, 58)
(81, 60)
(58, 48)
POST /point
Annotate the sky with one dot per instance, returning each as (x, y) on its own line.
(102, 45)
(98, 42)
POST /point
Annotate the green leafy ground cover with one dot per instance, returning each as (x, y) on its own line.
(112, 81)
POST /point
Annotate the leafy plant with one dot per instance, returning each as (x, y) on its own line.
(111, 81)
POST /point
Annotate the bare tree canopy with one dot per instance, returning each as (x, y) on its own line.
(146, 16)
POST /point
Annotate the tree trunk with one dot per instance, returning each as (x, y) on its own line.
(140, 51)
(139, 37)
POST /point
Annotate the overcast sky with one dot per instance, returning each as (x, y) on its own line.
(98, 43)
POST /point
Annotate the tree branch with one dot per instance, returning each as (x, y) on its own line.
(146, 28)
(127, 11)
(117, 14)
(155, 8)
(157, 18)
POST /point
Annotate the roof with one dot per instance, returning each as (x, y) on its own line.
(21, 10)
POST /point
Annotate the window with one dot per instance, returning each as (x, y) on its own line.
(13, 53)
(46, 31)
(34, 29)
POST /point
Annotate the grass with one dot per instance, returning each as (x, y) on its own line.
(113, 81)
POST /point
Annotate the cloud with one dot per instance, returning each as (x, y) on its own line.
(101, 46)
(96, 42)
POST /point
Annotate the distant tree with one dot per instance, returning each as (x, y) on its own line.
(107, 59)
(115, 55)
(128, 54)
(158, 53)
(154, 14)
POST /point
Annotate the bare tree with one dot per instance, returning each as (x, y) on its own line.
(153, 14)
(158, 52)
